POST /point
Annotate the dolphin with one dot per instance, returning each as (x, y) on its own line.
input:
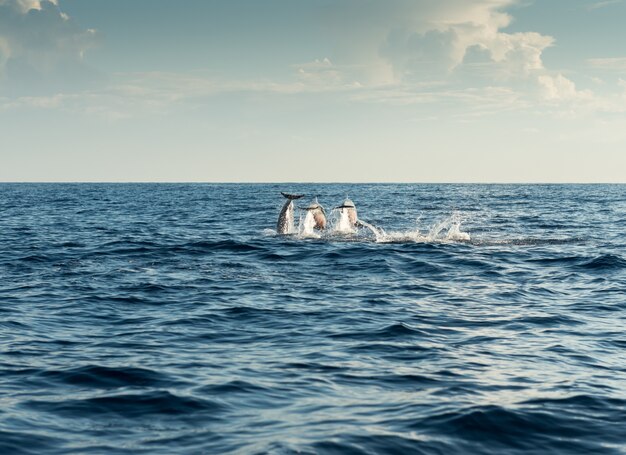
(318, 213)
(350, 209)
(285, 219)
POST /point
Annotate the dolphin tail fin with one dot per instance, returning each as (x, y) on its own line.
(292, 196)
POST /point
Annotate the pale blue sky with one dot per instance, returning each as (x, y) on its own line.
(319, 90)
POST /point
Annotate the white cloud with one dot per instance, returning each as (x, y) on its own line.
(451, 52)
(319, 72)
(159, 93)
(559, 87)
(462, 44)
(399, 52)
(41, 49)
(603, 4)
(613, 63)
(417, 40)
(467, 103)
(512, 55)
(25, 5)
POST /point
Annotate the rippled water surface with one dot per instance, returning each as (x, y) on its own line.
(165, 318)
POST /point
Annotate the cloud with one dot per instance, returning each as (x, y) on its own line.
(160, 93)
(447, 43)
(403, 44)
(611, 64)
(319, 72)
(459, 103)
(398, 52)
(417, 40)
(41, 49)
(420, 55)
(26, 5)
(603, 4)
(559, 87)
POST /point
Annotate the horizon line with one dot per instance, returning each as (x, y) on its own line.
(121, 182)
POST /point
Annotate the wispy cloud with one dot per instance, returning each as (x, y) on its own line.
(612, 63)
(603, 4)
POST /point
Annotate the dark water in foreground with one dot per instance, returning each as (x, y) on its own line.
(170, 319)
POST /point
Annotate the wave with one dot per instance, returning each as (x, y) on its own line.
(164, 319)
(27, 443)
(604, 262)
(527, 241)
(236, 386)
(524, 430)
(370, 442)
(102, 377)
(615, 407)
(148, 404)
(394, 331)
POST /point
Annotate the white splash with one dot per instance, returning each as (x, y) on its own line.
(340, 222)
(379, 233)
(454, 231)
(306, 226)
(446, 230)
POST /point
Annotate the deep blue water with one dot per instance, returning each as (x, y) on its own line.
(169, 318)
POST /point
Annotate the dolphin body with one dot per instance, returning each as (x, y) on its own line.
(353, 220)
(319, 214)
(285, 219)
(350, 209)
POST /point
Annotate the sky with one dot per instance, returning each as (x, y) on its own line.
(313, 91)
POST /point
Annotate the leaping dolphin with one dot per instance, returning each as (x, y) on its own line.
(350, 210)
(349, 219)
(318, 213)
(285, 219)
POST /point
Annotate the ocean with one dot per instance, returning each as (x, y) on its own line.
(172, 319)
